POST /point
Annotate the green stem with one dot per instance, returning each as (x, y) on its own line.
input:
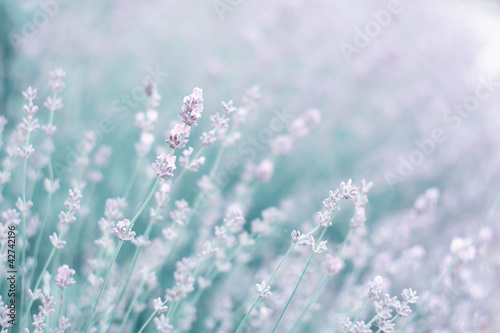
(300, 280)
(106, 276)
(23, 223)
(130, 271)
(115, 254)
(359, 313)
(132, 179)
(311, 301)
(131, 306)
(245, 319)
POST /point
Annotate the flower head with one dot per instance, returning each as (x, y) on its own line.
(123, 231)
(192, 107)
(63, 277)
(165, 165)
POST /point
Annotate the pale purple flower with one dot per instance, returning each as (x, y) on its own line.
(163, 324)
(51, 186)
(295, 236)
(29, 94)
(140, 241)
(179, 215)
(38, 323)
(385, 325)
(184, 160)
(321, 247)
(207, 138)
(56, 242)
(409, 295)
(228, 108)
(11, 217)
(73, 201)
(57, 74)
(102, 155)
(348, 190)
(165, 165)
(145, 121)
(323, 219)
(264, 171)
(332, 264)
(47, 306)
(234, 220)
(359, 218)
(35, 295)
(463, 248)
(113, 208)
(49, 130)
(64, 324)
(66, 217)
(22, 206)
(53, 104)
(192, 108)
(402, 309)
(63, 277)
(375, 287)
(282, 145)
(332, 202)
(169, 234)
(25, 152)
(264, 291)
(219, 122)
(144, 145)
(30, 109)
(360, 327)
(158, 306)
(177, 136)
(122, 230)
(205, 185)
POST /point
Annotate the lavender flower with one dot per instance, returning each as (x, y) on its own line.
(163, 324)
(192, 107)
(375, 287)
(177, 136)
(409, 295)
(63, 277)
(164, 165)
(158, 305)
(264, 291)
(122, 230)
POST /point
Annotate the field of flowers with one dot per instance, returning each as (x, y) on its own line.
(249, 166)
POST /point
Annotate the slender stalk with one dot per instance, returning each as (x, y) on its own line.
(131, 306)
(23, 223)
(132, 179)
(359, 313)
(311, 301)
(245, 319)
(300, 280)
(488, 216)
(106, 276)
(115, 255)
(124, 286)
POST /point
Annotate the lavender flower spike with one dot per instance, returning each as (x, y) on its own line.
(192, 107)
(165, 165)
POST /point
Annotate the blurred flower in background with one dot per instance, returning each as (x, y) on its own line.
(297, 96)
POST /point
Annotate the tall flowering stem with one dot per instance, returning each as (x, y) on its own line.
(452, 266)
(115, 255)
(332, 205)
